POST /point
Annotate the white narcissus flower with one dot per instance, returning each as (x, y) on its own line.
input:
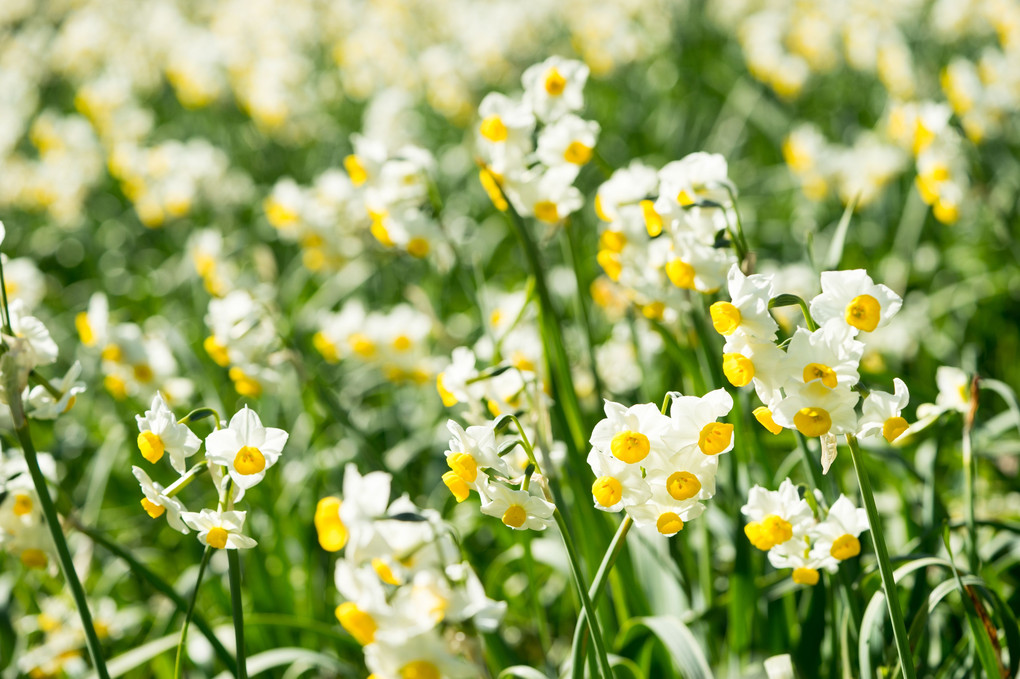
(548, 195)
(246, 448)
(695, 177)
(221, 530)
(505, 132)
(881, 412)
(854, 299)
(41, 349)
(569, 140)
(814, 409)
(633, 434)
(159, 432)
(620, 198)
(837, 536)
(425, 656)
(954, 393)
(776, 516)
(747, 360)
(518, 509)
(555, 87)
(42, 405)
(747, 311)
(472, 450)
(155, 503)
(829, 354)
(617, 484)
(693, 422)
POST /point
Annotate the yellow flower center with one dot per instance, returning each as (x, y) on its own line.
(81, 323)
(152, 509)
(464, 466)
(682, 486)
(817, 371)
(419, 669)
(863, 312)
(613, 241)
(653, 220)
(491, 183)
(402, 343)
(515, 516)
(610, 263)
(355, 170)
(546, 211)
(457, 486)
(715, 437)
(754, 534)
(22, 504)
(326, 347)
(142, 372)
(845, 547)
(493, 129)
(116, 386)
(680, 273)
(669, 523)
(331, 530)
(449, 399)
(776, 529)
(630, 446)
(357, 622)
(418, 247)
(249, 460)
(725, 317)
(216, 537)
(362, 345)
(112, 352)
(151, 446)
(738, 369)
(812, 421)
(684, 198)
(34, 558)
(600, 211)
(607, 491)
(244, 384)
(555, 83)
(805, 576)
(577, 153)
(893, 427)
(653, 310)
(764, 417)
(385, 573)
(217, 352)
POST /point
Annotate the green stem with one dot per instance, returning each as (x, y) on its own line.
(969, 469)
(577, 649)
(884, 566)
(237, 611)
(586, 606)
(21, 429)
(178, 662)
(162, 587)
(582, 299)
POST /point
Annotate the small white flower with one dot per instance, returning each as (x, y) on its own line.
(881, 412)
(776, 516)
(829, 354)
(570, 140)
(221, 530)
(814, 409)
(156, 503)
(518, 509)
(555, 87)
(854, 299)
(42, 405)
(41, 349)
(246, 448)
(837, 536)
(617, 484)
(748, 309)
(159, 432)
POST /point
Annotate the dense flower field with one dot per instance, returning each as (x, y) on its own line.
(449, 340)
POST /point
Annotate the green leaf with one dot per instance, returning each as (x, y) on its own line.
(681, 645)
(835, 254)
(987, 654)
(281, 657)
(522, 672)
(137, 657)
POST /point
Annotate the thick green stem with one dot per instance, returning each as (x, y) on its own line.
(884, 566)
(178, 662)
(586, 606)
(577, 649)
(237, 611)
(21, 429)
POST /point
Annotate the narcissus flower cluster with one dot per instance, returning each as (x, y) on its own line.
(809, 381)
(405, 594)
(662, 230)
(783, 524)
(656, 467)
(237, 456)
(534, 145)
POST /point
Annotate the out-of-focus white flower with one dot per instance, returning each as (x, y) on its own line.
(555, 87)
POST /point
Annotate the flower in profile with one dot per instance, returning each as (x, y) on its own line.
(246, 448)
(518, 509)
(881, 412)
(160, 432)
(221, 530)
(156, 502)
